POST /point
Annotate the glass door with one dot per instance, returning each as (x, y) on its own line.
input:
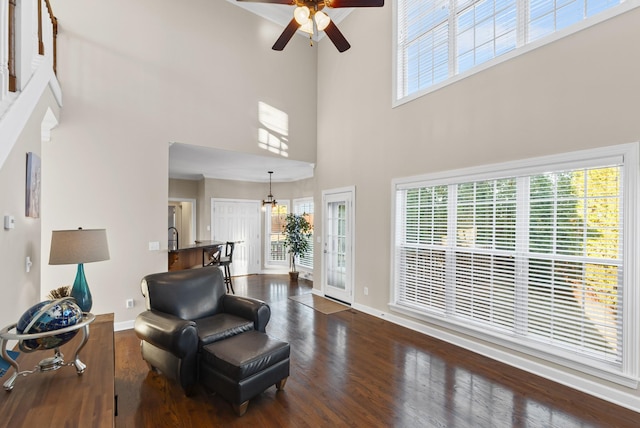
(338, 245)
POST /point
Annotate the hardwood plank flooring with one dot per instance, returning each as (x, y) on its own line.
(352, 369)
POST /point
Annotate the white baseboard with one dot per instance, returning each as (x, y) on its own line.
(123, 325)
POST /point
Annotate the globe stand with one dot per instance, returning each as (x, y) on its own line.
(47, 364)
(52, 363)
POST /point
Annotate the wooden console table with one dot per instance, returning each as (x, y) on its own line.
(62, 397)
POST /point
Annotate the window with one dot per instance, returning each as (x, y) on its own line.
(439, 39)
(305, 206)
(275, 219)
(532, 256)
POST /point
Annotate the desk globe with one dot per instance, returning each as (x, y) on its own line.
(48, 316)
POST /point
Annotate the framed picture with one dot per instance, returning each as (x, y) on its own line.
(32, 206)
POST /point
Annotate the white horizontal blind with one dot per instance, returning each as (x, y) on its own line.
(421, 258)
(575, 261)
(548, 16)
(484, 30)
(276, 215)
(305, 207)
(536, 257)
(423, 33)
(438, 39)
(484, 274)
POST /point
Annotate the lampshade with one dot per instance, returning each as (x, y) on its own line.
(301, 14)
(78, 246)
(322, 20)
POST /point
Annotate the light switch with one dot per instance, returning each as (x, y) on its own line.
(9, 222)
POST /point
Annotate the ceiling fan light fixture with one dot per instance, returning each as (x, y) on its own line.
(307, 27)
(301, 14)
(322, 20)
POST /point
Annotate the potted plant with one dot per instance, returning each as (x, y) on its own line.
(297, 232)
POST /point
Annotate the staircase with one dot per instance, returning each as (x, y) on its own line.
(28, 31)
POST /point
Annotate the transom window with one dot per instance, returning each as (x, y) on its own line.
(533, 257)
(440, 39)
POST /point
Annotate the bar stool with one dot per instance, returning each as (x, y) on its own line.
(211, 255)
(225, 262)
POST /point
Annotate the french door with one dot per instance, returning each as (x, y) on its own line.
(338, 215)
(238, 221)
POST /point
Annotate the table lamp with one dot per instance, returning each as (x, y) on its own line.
(79, 246)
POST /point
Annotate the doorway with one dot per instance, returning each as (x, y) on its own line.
(181, 222)
(238, 221)
(338, 230)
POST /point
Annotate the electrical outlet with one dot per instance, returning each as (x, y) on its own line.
(366, 291)
(154, 245)
(129, 303)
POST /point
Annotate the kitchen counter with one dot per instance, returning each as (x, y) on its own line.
(192, 256)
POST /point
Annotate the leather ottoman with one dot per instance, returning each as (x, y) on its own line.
(243, 366)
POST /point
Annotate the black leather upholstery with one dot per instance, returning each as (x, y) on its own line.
(244, 366)
(187, 310)
(246, 355)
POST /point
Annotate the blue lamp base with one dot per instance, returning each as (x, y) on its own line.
(80, 290)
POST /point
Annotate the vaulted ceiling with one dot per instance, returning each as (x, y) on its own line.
(194, 162)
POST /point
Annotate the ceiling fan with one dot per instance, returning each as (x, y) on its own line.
(308, 13)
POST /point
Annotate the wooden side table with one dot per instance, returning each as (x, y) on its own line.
(61, 397)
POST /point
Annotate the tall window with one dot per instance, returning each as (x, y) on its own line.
(439, 39)
(305, 207)
(275, 219)
(534, 257)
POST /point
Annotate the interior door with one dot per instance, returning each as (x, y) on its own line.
(238, 221)
(338, 215)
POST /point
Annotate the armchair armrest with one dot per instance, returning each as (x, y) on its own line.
(251, 309)
(178, 336)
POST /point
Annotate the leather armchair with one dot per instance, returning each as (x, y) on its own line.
(187, 310)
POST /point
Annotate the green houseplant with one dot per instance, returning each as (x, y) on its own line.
(297, 233)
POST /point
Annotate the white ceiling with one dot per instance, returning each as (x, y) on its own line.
(194, 162)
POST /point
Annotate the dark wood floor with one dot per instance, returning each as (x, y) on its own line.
(352, 369)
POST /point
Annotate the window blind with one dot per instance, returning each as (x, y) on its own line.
(305, 207)
(536, 257)
(438, 39)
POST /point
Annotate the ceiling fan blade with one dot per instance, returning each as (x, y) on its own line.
(286, 35)
(356, 3)
(336, 37)
(292, 2)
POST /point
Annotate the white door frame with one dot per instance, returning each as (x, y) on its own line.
(350, 197)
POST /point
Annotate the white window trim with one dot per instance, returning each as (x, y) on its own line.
(630, 370)
(624, 6)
